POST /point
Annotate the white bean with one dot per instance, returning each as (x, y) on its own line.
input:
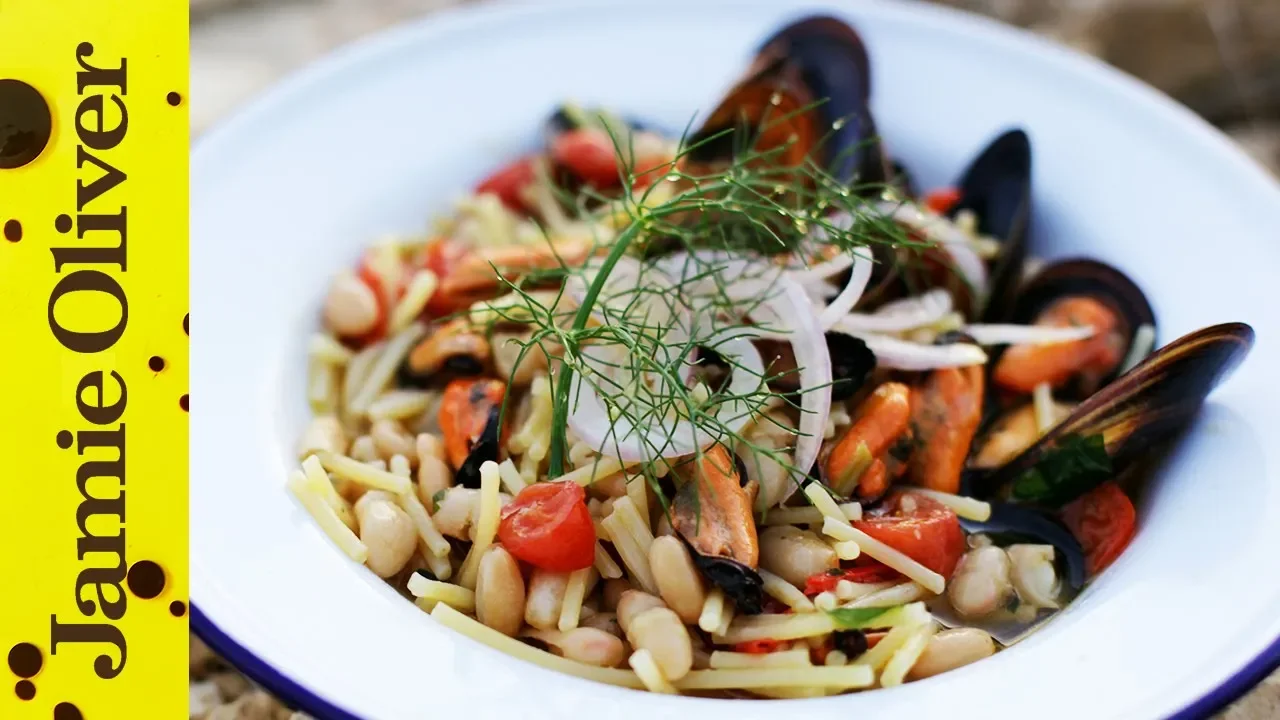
(634, 602)
(455, 512)
(679, 582)
(951, 649)
(387, 531)
(606, 621)
(546, 596)
(980, 585)
(660, 631)
(500, 592)
(795, 555)
(323, 434)
(434, 473)
(389, 439)
(1034, 576)
(593, 647)
(350, 307)
(364, 449)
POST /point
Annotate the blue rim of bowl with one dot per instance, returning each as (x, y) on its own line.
(300, 698)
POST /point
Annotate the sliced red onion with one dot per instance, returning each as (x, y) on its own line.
(667, 437)
(1026, 334)
(902, 315)
(954, 241)
(898, 354)
(852, 292)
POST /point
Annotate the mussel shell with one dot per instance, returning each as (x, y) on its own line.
(1145, 406)
(817, 60)
(1015, 523)
(996, 187)
(486, 448)
(852, 362)
(741, 584)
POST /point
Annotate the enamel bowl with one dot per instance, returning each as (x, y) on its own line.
(380, 136)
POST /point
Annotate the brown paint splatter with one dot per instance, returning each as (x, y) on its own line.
(12, 230)
(174, 99)
(177, 608)
(156, 363)
(145, 579)
(185, 329)
(25, 689)
(66, 711)
(25, 124)
(185, 403)
(62, 223)
(25, 660)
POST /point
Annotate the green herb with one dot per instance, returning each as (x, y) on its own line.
(857, 618)
(435, 500)
(1072, 468)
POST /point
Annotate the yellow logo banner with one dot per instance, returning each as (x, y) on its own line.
(93, 372)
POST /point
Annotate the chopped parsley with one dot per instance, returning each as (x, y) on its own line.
(1075, 466)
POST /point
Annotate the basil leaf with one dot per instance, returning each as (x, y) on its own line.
(1072, 468)
(856, 618)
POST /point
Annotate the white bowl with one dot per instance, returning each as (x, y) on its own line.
(380, 136)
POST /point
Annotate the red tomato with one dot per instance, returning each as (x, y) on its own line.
(868, 573)
(589, 155)
(757, 647)
(508, 182)
(921, 528)
(1104, 522)
(371, 278)
(549, 527)
(441, 256)
(942, 200)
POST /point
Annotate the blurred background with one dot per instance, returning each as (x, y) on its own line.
(1221, 58)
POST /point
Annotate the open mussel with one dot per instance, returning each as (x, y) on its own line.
(805, 96)
(996, 188)
(1076, 293)
(1116, 425)
(851, 364)
(712, 515)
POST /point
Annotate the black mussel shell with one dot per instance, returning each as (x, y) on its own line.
(456, 366)
(1147, 405)
(996, 187)
(1011, 524)
(1083, 277)
(486, 448)
(563, 120)
(740, 583)
(820, 61)
(852, 362)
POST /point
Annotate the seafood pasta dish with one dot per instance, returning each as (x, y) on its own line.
(738, 410)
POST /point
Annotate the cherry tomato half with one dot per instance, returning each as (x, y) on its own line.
(589, 155)
(870, 573)
(549, 527)
(942, 200)
(441, 256)
(921, 528)
(507, 183)
(1104, 522)
(758, 647)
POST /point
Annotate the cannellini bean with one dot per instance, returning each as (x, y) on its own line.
(678, 579)
(323, 434)
(794, 554)
(387, 531)
(546, 595)
(364, 449)
(1034, 576)
(634, 602)
(434, 473)
(613, 590)
(951, 649)
(980, 585)
(593, 647)
(660, 631)
(457, 509)
(506, 349)
(606, 621)
(351, 307)
(500, 592)
(389, 439)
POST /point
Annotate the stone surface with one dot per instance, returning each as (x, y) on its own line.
(1220, 57)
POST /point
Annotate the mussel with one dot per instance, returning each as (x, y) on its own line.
(470, 417)
(1075, 293)
(851, 364)
(453, 350)
(1116, 425)
(712, 515)
(996, 188)
(805, 95)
